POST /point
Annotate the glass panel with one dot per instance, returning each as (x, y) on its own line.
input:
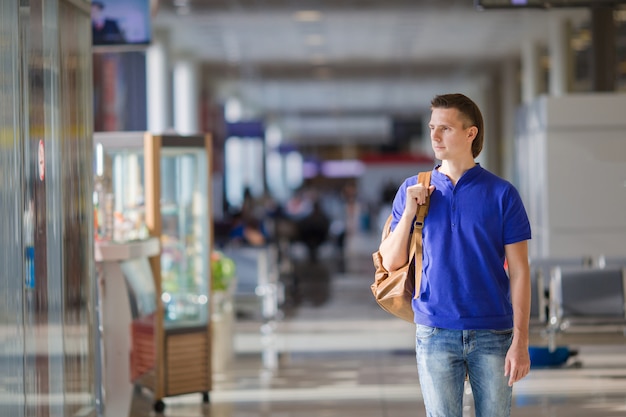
(11, 207)
(43, 382)
(45, 129)
(119, 192)
(184, 210)
(128, 195)
(78, 280)
(59, 323)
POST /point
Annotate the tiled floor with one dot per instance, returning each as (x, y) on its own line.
(340, 355)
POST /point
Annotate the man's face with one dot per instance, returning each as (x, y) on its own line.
(449, 138)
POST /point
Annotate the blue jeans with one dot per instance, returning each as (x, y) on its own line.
(445, 356)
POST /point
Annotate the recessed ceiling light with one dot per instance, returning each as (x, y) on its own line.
(307, 16)
(315, 40)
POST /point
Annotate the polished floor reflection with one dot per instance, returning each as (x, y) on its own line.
(335, 353)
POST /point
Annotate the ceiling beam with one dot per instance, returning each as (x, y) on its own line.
(347, 71)
(321, 5)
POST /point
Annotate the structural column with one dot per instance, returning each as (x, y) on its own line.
(186, 96)
(158, 83)
(509, 100)
(531, 72)
(560, 57)
(481, 94)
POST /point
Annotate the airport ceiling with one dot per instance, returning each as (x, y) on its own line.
(348, 66)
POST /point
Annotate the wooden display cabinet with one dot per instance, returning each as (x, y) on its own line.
(165, 181)
(179, 213)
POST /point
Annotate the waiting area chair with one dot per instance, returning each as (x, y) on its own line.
(586, 301)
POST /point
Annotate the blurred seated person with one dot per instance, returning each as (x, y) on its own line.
(247, 231)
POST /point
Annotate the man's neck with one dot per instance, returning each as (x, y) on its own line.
(455, 169)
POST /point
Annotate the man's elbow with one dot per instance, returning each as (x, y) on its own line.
(392, 264)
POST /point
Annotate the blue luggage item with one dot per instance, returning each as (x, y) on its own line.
(541, 357)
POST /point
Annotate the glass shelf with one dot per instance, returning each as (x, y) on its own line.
(184, 211)
(184, 218)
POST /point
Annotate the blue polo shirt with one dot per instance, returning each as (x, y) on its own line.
(464, 284)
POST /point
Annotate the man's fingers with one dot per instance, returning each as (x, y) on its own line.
(515, 374)
(508, 371)
(511, 380)
(419, 192)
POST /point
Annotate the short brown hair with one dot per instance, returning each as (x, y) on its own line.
(470, 112)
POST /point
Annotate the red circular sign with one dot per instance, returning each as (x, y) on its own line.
(42, 161)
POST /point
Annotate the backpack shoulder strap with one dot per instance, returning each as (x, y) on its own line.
(422, 211)
(423, 178)
(416, 240)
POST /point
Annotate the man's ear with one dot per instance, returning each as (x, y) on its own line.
(472, 132)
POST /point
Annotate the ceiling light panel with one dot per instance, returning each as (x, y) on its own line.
(315, 40)
(307, 16)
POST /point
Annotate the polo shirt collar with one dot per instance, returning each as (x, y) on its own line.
(469, 175)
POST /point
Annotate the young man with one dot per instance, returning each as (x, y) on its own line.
(471, 317)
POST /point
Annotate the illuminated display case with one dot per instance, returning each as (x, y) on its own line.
(162, 184)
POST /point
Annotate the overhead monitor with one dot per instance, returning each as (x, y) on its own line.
(542, 4)
(120, 23)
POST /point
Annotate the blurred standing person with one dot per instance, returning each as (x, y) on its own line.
(299, 205)
(352, 214)
(344, 211)
(471, 317)
(249, 204)
(259, 210)
(313, 230)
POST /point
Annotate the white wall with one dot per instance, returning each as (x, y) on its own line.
(572, 159)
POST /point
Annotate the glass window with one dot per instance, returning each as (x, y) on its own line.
(244, 169)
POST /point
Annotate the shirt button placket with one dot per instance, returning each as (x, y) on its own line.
(454, 213)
